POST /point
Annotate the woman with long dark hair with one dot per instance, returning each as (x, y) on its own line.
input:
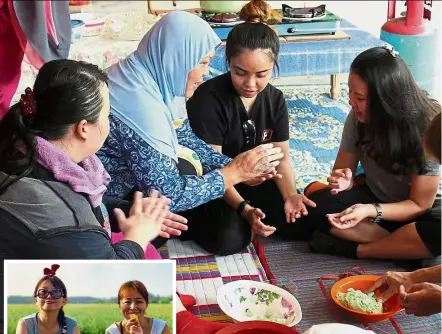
(242, 110)
(50, 296)
(396, 213)
(52, 184)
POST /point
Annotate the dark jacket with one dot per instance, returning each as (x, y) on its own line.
(42, 218)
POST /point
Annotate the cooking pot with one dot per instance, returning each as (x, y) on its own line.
(222, 6)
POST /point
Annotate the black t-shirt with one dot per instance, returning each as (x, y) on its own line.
(215, 109)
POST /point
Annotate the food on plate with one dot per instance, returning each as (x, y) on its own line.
(359, 301)
(268, 316)
(265, 305)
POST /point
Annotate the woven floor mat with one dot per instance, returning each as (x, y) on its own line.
(200, 274)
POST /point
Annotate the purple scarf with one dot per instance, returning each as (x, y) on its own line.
(88, 177)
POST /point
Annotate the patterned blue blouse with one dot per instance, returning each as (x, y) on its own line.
(131, 162)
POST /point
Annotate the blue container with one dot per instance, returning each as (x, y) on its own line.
(77, 30)
(420, 54)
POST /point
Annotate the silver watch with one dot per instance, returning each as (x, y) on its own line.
(378, 217)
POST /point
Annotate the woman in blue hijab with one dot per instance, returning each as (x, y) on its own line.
(147, 90)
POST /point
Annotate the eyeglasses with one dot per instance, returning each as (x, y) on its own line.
(249, 131)
(55, 294)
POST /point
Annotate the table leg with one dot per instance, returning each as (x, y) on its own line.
(335, 86)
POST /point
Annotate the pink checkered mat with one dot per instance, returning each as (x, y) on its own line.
(200, 273)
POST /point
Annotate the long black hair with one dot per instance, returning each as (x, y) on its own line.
(57, 283)
(65, 92)
(399, 112)
(252, 36)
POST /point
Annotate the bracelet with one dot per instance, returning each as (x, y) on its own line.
(242, 206)
(378, 217)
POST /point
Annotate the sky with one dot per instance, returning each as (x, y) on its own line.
(90, 278)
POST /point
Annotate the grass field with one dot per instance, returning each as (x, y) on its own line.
(92, 318)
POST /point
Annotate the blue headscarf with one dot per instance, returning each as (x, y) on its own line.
(143, 85)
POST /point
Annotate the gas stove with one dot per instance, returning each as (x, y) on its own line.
(325, 23)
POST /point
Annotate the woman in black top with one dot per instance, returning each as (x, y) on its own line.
(240, 110)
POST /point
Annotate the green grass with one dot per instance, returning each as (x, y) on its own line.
(92, 318)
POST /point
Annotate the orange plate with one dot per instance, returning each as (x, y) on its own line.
(257, 327)
(363, 282)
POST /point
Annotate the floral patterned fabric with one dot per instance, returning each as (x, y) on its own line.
(132, 162)
(96, 50)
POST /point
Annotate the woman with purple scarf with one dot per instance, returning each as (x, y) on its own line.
(52, 184)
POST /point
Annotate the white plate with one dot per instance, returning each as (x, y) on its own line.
(250, 300)
(225, 24)
(304, 19)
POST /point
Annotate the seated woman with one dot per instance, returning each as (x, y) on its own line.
(51, 182)
(242, 110)
(396, 213)
(50, 296)
(419, 295)
(141, 151)
(133, 300)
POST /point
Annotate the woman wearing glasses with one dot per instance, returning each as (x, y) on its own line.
(50, 296)
(240, 110)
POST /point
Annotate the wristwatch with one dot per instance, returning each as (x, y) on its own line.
(241, 207)
(378, 217)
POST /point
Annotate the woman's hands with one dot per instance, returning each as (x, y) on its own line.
(421, 299)
(253, 217)
(295, 207)
(255, 163)
(392, 280)
(173, 224)
(146, 218)
(268, 175)
(132, 326)
(351, 216)
(340, 180)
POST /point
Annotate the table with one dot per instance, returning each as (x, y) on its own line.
(296, 58)
(316, 57)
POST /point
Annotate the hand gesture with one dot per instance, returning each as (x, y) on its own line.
(257, 162)
(350, 217)
(145, 218)
(173, 224)
(268, 175)
(340, 180)
(295, 207)
(253, 217)
(392, 280)
(422, 299)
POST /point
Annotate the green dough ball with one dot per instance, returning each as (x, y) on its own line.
(349, 210)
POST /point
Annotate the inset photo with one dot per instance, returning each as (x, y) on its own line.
(90, 297)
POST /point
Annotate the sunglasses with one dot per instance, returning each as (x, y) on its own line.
(55, 294)
(249, 131)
